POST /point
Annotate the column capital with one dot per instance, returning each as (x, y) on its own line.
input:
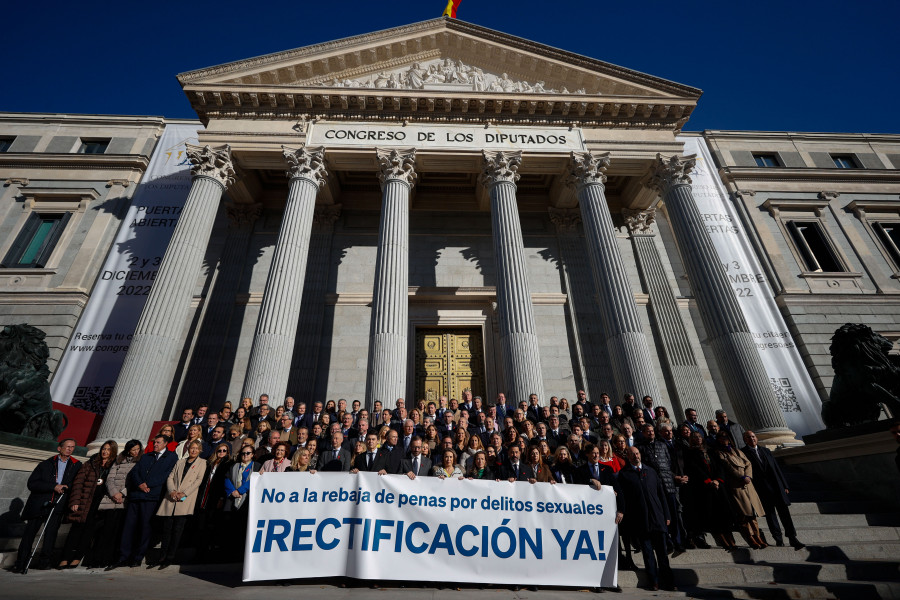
(500, 165)
(566, 220)
(213, 162)
(639, 221)
(670, 172)
(242, 215)
(325, 215)
(307, 162)
(397, 165)
(586, 168)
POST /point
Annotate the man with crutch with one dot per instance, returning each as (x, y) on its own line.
(48, 484)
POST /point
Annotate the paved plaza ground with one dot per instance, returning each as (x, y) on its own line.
(225, 583)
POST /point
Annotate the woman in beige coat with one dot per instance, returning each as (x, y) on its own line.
(178, 501)
(737, 472)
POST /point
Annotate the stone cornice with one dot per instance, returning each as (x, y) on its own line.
(48, 160)
(229, 100)
(810, 174)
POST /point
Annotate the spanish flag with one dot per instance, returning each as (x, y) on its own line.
(450, 11)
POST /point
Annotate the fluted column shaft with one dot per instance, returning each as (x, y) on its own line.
(206, 358)
(726, 328)
(386, 376)
(680, 360)
(625, 340)
(143, 386)
(518, 337)
(269, 366)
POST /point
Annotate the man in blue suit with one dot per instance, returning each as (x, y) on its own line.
(145, 484)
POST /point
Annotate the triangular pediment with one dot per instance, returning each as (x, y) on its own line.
(441, 63)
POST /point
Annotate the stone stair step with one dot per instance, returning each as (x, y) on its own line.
(833, 534)
(830, 495)
(838, 507)
(860, 590)
(824, 553)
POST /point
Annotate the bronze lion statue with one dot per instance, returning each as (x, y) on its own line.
(865, 377)
(25, 404)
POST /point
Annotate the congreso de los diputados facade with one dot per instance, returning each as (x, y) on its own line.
(441, 208)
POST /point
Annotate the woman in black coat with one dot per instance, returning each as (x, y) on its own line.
(706, 508)
(211, 497)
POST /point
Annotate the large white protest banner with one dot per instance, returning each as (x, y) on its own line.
(389, 527)
(96, 351)
(794, 390)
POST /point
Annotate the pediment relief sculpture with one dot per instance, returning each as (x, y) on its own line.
(447, 74)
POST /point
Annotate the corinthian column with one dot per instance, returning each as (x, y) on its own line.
(626, 343)
(386, 376)
(726, 328)
(269, 366)
(143, 385)
(518, 340)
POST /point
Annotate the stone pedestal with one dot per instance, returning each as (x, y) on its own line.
(269, 366)
(386, 376)
(726, 328)
(626, 343)
(143, 385)
(518, 340)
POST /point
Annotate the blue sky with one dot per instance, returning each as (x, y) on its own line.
(790, 65)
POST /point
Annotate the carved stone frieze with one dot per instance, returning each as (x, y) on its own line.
(306, 162)
(242, 215)
(214, 162)
(586, 168)
(397, 164)
(449, 75)
(639, 221)
(668, 173)
(500, 166)
(566, 220)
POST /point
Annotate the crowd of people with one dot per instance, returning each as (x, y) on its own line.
(674, 482)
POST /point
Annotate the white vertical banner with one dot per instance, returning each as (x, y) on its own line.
(94, 355)
(797, 396)
(370, 526)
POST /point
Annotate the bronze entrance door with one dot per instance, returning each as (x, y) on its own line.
(448, 362)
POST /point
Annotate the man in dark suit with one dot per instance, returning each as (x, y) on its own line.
(773, 490)
(368, 460)
(691, 420)
(180, 430)
(145, 484)
(534, 412)
(642, 501)
(347, 427)
(337, 458)
(416, 465)
(647, 409)
(312, 417)
(604, 403)
(513, 468)
(391, 454)
(48, 483)
(594, 473)
(446, 426)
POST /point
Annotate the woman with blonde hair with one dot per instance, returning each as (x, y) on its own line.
(448, 466)
(169, 432)
(312, 446)
(300, 462)
(194, 433)
(619, 447)
(382, 435)
(178, 502)
(737, 472)
(261, 434)
(607, 456)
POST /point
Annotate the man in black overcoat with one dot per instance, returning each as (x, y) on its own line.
(772, 488)
(642, 500)
(48, 483)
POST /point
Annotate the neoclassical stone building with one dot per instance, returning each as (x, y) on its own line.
(440, 207)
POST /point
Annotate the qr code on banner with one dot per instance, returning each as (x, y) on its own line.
(784, 393)
(94, 399)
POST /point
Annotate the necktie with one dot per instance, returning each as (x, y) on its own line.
(369, 461)
(336, 453)
(416, 466)
(596, 471)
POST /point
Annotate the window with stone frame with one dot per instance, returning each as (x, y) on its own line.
(815, 249)
(36, 240)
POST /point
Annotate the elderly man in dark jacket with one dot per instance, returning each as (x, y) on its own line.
(646, 514)
(146, 483)
(656, 453)
(49, 482)
(772, 488)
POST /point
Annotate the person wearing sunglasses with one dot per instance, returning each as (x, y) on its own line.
(211, 498)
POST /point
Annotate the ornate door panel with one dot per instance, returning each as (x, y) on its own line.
(449, 362)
